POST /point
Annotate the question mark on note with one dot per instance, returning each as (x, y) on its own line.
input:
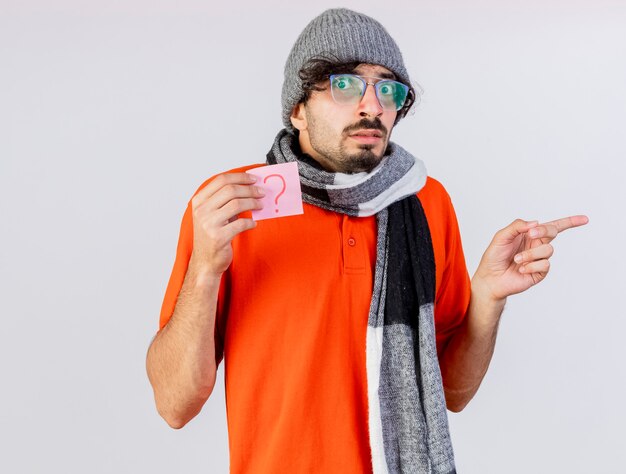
(282, 191)
(281, 184)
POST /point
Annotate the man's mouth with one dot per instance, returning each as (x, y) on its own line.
(367, 136)
(367, 133)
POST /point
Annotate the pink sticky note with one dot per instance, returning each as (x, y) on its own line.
(281, 184)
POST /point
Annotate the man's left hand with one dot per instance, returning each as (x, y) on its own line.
(518, 256)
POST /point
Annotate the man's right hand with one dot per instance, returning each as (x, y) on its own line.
(180, 361)
(215, 210)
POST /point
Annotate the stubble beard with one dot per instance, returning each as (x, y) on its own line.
(363, 160)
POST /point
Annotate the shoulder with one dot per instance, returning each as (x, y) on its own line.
(434, 196)
(438, 209)
(433, 188)
(241, 169)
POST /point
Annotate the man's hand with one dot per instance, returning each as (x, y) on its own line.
(181, 361)
(215, 222)
(518, 256)
(516, 259)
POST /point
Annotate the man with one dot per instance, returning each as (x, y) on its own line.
(347, 331)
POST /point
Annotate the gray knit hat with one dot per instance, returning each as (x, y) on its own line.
(343, 34)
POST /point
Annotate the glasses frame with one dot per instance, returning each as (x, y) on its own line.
(377, 85)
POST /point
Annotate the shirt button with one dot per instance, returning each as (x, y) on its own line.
(351, 242)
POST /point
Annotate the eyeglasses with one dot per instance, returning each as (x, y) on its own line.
(348, 89)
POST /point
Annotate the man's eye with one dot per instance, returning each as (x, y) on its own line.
(386, 89)
(344, 82)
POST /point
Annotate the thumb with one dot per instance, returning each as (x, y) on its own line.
(514, 229)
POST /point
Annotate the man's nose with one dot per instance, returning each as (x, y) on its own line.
(369, 104)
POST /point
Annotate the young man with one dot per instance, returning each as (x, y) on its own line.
(348, 330)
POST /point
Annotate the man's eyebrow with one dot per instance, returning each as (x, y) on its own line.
(381, 75)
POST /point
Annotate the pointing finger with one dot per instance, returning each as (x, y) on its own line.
(568, 222)
(544, 230)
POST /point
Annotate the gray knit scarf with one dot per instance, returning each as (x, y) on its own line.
(408, 423)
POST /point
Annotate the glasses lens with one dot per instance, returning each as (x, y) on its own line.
(391, 94)
(346, 88)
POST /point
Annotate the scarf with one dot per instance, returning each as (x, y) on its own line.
(408, 424)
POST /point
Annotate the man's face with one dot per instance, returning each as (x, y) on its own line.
(346, 138)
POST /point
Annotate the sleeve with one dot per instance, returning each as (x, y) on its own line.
(453, 282)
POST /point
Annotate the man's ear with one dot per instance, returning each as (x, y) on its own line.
(298, 117)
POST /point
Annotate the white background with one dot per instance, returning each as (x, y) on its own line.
(112, 113)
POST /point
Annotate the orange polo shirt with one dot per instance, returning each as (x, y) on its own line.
(291, 325)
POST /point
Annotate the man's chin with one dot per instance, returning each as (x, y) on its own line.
(363, 161)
